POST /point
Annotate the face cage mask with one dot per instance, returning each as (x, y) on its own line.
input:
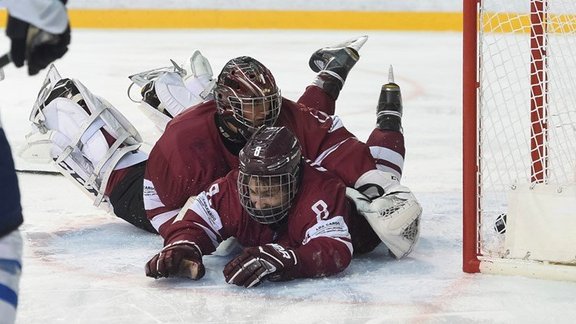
(284, 185)
(246, 110)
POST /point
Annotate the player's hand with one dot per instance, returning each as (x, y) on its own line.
(35, 47)
(255, 264)
(179, 259)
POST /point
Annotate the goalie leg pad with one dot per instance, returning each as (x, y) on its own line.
(90, 137)
(395, 217)
(174, 95)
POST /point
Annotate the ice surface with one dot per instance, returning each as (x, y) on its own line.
(82, 265)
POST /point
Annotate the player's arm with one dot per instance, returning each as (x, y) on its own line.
(320, 245)
(49, 15)
(39, 32)
(195, 231)
(170, 180)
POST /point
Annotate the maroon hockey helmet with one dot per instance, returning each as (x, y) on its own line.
(269, 174)
(246, 95)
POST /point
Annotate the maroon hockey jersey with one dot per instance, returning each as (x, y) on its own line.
(191, 153)
(316, 226)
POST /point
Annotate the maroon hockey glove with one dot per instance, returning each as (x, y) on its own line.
(253, 265)
(179, 259)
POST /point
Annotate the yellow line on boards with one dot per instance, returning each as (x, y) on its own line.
(263, 19)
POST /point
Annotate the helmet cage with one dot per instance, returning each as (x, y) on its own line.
(245, 110)
(282, 187)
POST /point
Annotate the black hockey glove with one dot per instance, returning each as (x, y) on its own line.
(255, 264)
(179, 259)
(37, 47)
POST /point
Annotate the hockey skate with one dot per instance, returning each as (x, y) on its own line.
(339, 58)
(333, 63)
(167, 91)
(389, 110)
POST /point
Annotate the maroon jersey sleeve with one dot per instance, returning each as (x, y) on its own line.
(201, 222)
(317, 226)
(186, 159)
(326, 142)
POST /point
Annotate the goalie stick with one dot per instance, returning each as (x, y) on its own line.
(39, 172)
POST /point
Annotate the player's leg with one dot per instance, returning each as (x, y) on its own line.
(333, 63)
(126, 197)
(10, 239)
(85, 135)
(386, 141)
(390, 208)
(10, 270)
(166, 92)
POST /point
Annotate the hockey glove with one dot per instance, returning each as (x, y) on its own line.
(35, 46)
(179, 259)
(255, 264)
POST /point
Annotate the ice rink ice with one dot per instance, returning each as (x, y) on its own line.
(82, 265)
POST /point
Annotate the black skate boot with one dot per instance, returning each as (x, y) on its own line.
(150, 97)
(389, 110)
(334, 63)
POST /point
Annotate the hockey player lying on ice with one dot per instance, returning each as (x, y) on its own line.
(98, 148)
(294, 220)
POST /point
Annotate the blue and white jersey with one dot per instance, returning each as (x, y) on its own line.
(10, 270)
(10, 208)
(49, 15)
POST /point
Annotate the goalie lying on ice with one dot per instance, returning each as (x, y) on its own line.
(99, 149)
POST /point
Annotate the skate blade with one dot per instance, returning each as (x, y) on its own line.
(142, 78)
(354, 43)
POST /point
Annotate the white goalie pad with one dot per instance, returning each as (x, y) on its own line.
(67, 125)
(394, 217)
(175, 95)
(177, 87)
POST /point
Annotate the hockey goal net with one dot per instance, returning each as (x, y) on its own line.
(520, 137)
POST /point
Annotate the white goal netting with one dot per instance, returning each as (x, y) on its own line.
(527, 128)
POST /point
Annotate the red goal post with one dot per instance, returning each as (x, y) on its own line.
(519, 137)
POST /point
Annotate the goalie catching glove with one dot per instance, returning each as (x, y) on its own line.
(179, 259)
(391, 209)
(255, 264)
